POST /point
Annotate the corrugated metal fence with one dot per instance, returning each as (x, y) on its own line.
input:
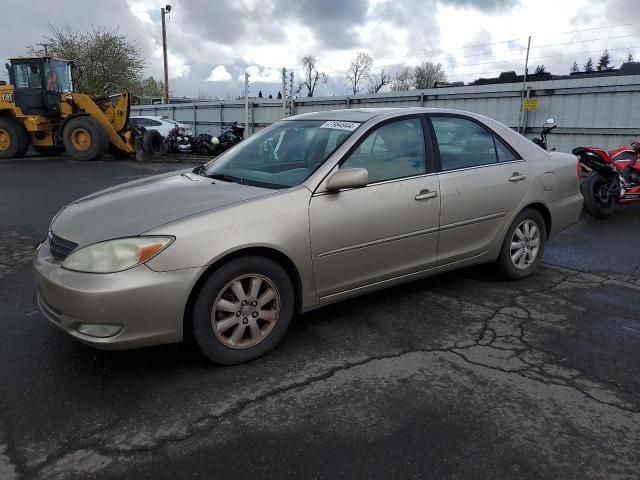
(601, 111)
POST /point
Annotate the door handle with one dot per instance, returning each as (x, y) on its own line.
(426, 195)
(516, 177)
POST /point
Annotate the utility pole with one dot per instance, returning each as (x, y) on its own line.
(521, 128)
(164, 11)
(284, 92)
(291, 94)
(246, 105)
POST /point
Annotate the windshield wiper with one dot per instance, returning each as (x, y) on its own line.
(225, 177)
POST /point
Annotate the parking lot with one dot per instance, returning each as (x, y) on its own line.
(463, 375)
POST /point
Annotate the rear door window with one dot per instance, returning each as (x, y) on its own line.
(463, 143)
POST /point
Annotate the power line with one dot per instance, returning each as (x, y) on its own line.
(599, 28)
(446, 57)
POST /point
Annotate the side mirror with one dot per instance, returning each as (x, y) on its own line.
(348, 178)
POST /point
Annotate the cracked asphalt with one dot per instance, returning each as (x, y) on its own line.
(462, 375)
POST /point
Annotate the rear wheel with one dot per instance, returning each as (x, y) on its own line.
(598, 201)
(243, 310)
(14, 140)
(523, 246)
(85, 139)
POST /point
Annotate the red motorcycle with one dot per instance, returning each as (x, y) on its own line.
(613, 177)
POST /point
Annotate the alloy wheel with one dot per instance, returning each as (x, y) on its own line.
(245, 311)
(525, 244)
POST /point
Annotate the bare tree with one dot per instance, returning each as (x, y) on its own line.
(378, 80)
(359, 70)
(629, 58)
(106, 61)
(311, 76)
(402, 80)
(428, 74)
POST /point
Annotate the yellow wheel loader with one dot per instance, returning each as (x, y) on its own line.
(39, 108)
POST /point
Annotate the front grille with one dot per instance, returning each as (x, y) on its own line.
(60, 248)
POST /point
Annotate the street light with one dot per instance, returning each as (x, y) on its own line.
(164, 11)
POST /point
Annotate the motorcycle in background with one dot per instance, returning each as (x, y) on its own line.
(230, 137)
(548, 126)
(612, 178)
(178, 141)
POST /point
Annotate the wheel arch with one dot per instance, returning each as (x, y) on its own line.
(542, 209)
(69, 118)
(267, 252)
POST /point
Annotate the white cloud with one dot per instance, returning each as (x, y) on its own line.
(262, 75)
(219, 74)
(141, 10)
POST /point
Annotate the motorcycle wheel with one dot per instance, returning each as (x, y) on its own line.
(597, 201)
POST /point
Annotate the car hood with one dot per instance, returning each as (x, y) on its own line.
(135, 207)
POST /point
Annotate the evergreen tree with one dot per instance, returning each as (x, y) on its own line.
(629, 58)
(574, 68)
(260, 94)
(588, 67)
(604, 64)
(539, 70)
(279, 95)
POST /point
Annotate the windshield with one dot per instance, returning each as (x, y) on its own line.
(282, 155)
(57, 76)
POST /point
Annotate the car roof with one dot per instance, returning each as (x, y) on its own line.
(366, 114)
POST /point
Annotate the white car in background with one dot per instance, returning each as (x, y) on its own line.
(162, 124)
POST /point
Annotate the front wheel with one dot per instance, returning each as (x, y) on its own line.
(243, 310)
(85, 139)
(523, 246)
(598, 201)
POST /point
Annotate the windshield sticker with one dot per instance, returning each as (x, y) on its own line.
(337, 125)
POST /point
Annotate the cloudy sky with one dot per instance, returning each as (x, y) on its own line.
(213, 42)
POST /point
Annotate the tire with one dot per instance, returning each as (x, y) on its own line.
(85, 139)
(49, 151)
(14, 140)
(248, 333)
(593, 203)
(152, 142)
(512, 265)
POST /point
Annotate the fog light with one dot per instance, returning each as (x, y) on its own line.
(99, 330)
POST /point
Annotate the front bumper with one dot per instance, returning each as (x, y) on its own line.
(148, 305)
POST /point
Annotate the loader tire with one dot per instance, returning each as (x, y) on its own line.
(14, 140)
(85, 139)
(152, 142)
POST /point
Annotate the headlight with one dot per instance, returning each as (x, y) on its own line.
(116, 255)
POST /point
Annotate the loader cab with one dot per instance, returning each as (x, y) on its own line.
(39, 83)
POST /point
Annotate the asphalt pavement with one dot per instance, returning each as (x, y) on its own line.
(462, 375)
